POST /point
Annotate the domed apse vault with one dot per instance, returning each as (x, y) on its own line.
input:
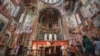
(49, 16)
(49, 23)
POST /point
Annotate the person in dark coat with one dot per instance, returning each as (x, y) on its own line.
(90, 50)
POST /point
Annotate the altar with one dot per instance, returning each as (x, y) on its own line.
(48, 48)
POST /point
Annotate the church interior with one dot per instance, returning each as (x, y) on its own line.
(48, 27)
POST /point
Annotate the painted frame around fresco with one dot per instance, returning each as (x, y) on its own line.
(4, 21)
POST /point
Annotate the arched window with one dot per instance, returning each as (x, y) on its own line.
(51, 1)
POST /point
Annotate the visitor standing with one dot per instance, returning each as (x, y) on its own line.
(90, 50)
(72, 50)
(97, 46)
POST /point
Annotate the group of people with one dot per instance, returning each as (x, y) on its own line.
(86, 48)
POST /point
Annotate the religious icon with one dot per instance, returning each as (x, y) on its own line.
(90, 10)
(4, 39)
(97, 5)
